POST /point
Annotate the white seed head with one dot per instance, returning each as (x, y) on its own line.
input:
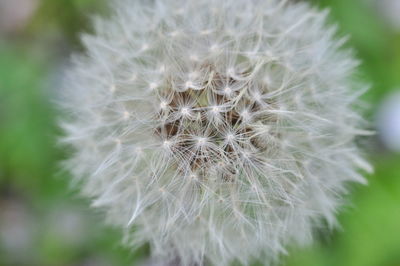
(233, 162)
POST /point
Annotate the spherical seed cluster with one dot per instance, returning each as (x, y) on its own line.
(214, 130)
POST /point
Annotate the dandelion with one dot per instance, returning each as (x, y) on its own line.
(216, 131)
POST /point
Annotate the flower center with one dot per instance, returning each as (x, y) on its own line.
(213, 128)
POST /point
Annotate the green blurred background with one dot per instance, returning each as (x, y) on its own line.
(43, 221)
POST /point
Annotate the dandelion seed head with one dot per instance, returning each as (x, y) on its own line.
(217, 137)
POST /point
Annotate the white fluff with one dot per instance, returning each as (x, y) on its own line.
(214, 130)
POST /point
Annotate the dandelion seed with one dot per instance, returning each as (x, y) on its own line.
(125, 115)
(153, 85)
(189, 85)
(194, 57)
(228, 90)
(215, 109)
(185, 111)
(163, 105)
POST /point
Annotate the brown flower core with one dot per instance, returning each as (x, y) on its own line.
(213, 127)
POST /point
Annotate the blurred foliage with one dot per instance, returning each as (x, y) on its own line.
(58, 228)
(66, 17)
(376, 44)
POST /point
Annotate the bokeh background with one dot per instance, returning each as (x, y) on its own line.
(43, 221)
